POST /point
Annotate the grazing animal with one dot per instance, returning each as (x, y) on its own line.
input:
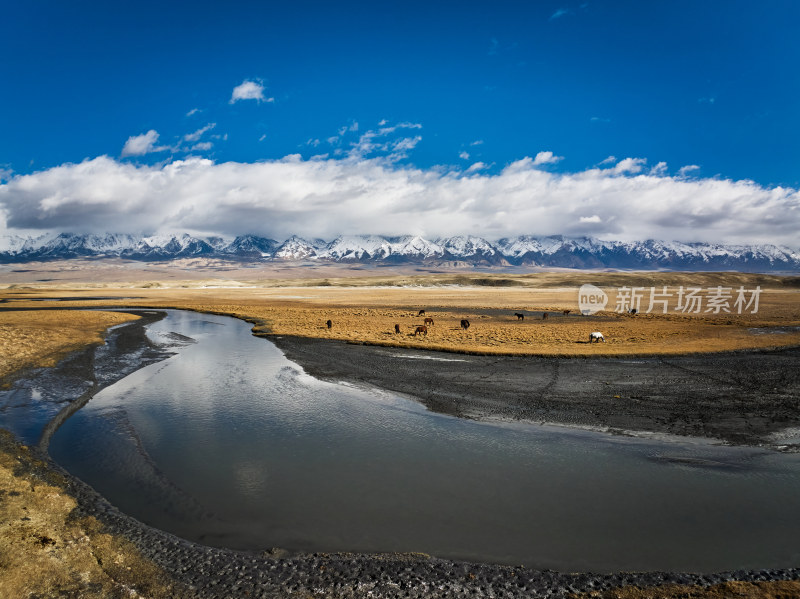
(421, 312)
(464, 324)
(597, 336)
(519, 316)
(566, 312)
(429, 321)
(396, 328)
(544, 316)
(633, 311)
(422, 329)
(329, 323)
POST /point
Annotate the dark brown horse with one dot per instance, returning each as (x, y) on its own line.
(566, 312)
(429, 321)
(464, 324)
(421, 312)
(397, 329)
(329, 323)
(519, 316)
(544, 316)
(422, 329)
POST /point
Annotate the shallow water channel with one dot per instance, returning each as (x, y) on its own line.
(230, 444)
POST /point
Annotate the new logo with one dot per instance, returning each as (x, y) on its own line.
(591, 299)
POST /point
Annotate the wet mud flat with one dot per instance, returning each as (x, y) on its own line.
(742, 398)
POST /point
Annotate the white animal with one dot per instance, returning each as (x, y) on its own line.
(596, 336)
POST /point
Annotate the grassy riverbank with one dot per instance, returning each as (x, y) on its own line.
(33, 338)
(47, 549)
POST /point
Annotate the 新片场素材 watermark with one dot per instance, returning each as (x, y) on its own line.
(684, 299)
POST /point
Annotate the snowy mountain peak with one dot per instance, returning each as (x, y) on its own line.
(250, 246)
(525, 250)
(357, 247)
(295, 248)
(467, 246)
(417, 246)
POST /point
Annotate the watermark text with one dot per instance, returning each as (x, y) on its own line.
(683, 299)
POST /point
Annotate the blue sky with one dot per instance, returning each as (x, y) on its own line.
(431, 106)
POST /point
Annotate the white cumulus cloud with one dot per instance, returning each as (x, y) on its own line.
(546, 158)
(478, 166)
(659, 169)
(327, 196)
(249, 90)
(199, 133)
(629, 165)
(382, 141)
(139, 145)
(685, 170)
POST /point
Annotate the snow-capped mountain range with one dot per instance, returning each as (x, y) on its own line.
(526, 250)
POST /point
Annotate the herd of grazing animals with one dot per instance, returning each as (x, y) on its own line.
(422, 329)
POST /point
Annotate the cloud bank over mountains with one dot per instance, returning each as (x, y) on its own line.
(327, 196)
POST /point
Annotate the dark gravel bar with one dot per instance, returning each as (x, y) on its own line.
(742, 398)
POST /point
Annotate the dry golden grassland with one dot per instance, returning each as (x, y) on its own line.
(366, 310)
(781, 589)
(41, 337)
(46, 552)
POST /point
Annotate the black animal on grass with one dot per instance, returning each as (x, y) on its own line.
(397, 329)
(519, 316)
(329, 323)
(464, 324)
(544, 316)
(421, 312)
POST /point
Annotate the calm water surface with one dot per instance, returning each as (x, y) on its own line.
(230, 444)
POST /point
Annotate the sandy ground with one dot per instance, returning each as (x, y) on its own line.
(56, 541)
